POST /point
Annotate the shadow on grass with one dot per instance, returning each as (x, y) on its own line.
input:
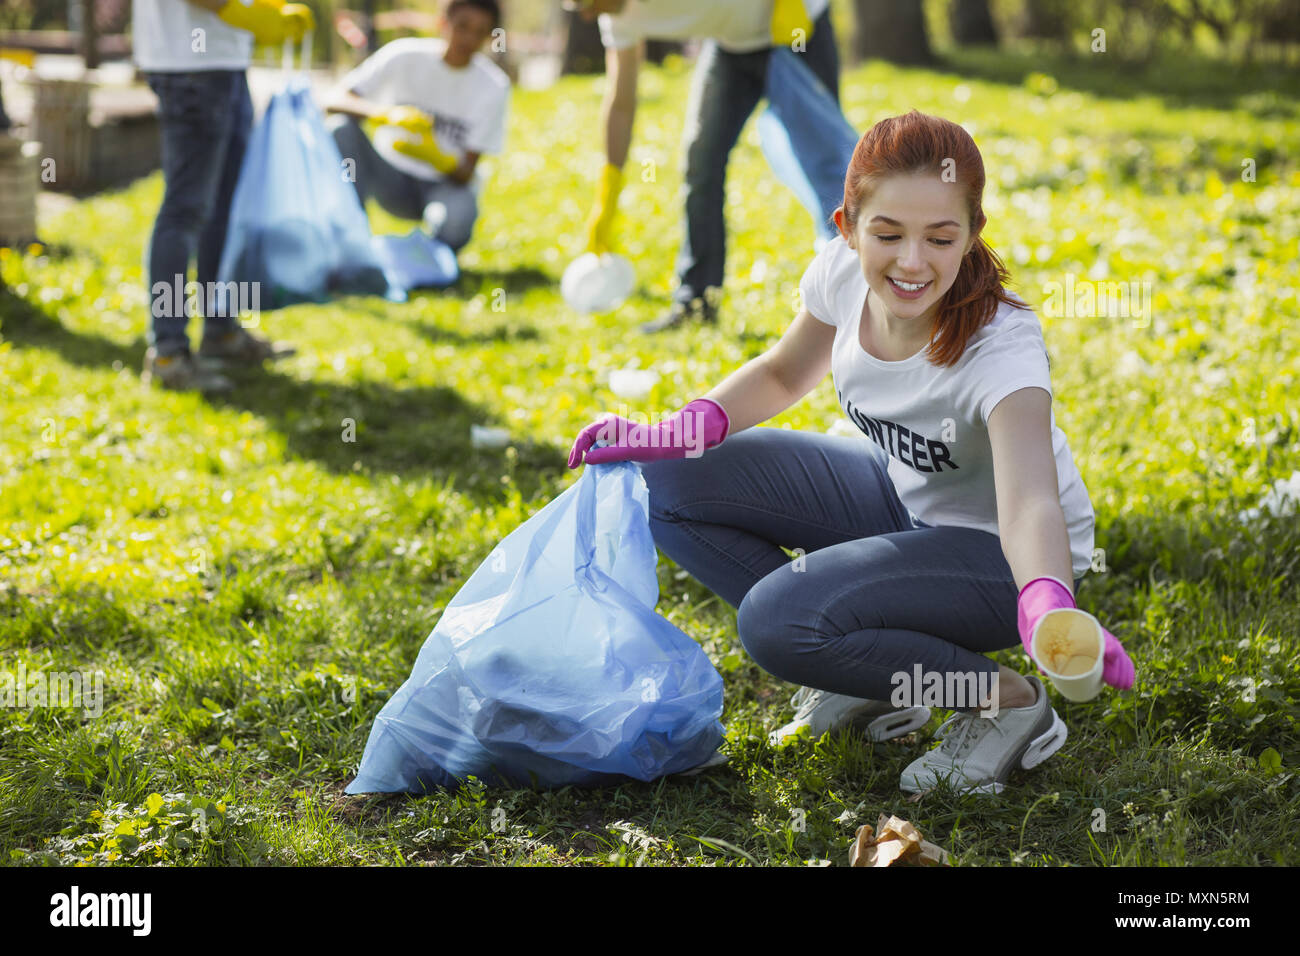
(26, 324)
(371, 427)
(474, 282)
(501, 333)
(403, 431)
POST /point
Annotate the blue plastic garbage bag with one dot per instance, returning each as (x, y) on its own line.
(296, 224)
(416, 260)
(550, 665)
(805, 137)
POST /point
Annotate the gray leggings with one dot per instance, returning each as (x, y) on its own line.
(400, 193)
(875, 592)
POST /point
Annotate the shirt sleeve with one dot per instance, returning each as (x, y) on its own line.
(616, 33)
(813, 288)
(1019, 361)
(489, 132)
(369, 73)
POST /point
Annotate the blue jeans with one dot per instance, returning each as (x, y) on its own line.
(725, 89)
(206, 118)
(875, 592)
(400, 193)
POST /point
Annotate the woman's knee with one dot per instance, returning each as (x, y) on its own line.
(767, 629)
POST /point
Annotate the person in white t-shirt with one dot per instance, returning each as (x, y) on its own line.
(439, 105)
(195, 54)
(728, 83)
(946, 536)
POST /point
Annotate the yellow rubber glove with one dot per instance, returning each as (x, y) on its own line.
(301, 20)
(787, 17)
(409, 118)
(426, 149)
(268, 21)
(599, 223)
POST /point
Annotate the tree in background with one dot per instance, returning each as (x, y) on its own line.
(971, 23)
(892, 30)
(583, 51)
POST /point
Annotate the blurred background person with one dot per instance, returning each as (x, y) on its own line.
(729, 81)
(437, 105)
(195, 56)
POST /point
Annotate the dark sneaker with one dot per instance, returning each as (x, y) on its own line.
(179, 372)
(241, 347)
(682, 313)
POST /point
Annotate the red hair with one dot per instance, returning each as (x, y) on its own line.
(919, 143)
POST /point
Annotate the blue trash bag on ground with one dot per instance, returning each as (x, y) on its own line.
(550, 666)
(416, 260)
(805, 137)
(296, 224)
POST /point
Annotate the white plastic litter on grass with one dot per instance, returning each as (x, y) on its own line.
(632, 382)
(483, 437)
(1282, 499)
(595, 283)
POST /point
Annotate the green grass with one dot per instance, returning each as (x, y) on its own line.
(253, 587)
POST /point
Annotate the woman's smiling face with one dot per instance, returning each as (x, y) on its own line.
(911, 235)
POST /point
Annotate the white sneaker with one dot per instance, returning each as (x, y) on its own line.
(977, 754)
(435, 214)
(821, 711)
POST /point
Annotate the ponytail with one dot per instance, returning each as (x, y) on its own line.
(971, 303)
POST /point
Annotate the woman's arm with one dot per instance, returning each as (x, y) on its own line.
(619, 107)
(1031, 523)
(766, 386)
(345, 101)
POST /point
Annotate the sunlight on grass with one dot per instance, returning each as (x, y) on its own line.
(253, 585)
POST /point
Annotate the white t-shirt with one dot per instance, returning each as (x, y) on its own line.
(933, 421)
(737, 26)
(469, 104)
(175, 36)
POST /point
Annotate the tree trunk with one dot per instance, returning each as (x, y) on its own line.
(971, 23)
(1044, 20)
(89, 35)
(892, 30)
(583, 51)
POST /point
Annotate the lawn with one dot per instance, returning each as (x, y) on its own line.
(253, 585)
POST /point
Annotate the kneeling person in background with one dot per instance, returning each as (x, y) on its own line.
(440, 104)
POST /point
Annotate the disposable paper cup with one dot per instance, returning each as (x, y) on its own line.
(1069, 646)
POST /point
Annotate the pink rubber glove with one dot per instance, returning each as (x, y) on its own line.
(1117, 667)
(1037, 598)
(687, 433)
(1047, 594)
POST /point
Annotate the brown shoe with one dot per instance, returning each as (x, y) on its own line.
(241, 347)
(179, 372)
